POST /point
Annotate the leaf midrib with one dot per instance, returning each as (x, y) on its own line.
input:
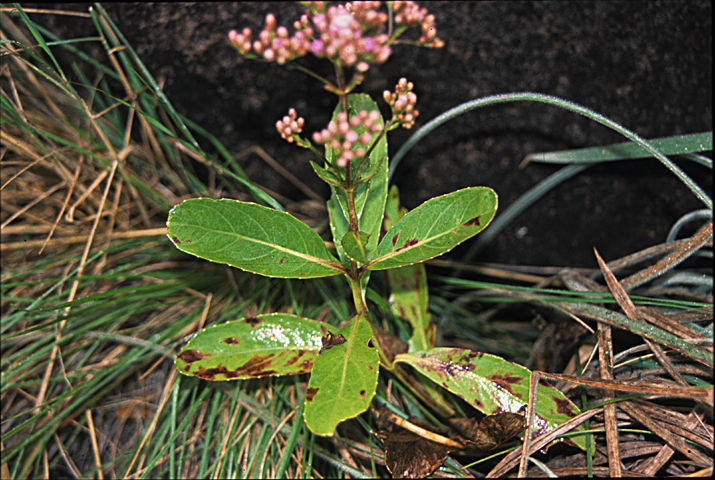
(411, 247)
(280, 248)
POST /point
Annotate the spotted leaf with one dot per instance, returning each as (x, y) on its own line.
(435, 227)
(343, 380)
(492, 385)
(270, 344)
(408, 286)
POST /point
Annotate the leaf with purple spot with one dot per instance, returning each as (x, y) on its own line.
(435, 227)
(344, 378)
(493, 385)
(264, 345)
(408, 286)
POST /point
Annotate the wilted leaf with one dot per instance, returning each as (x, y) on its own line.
(435, 227)
(251, 237)
(414, 449)
(492, 385)
(489, 433)
(269, 344)
(410, 456)
(343, 380)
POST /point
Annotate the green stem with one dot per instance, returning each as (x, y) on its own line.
(321, 79)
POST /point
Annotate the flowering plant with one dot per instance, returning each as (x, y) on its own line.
(344, 361)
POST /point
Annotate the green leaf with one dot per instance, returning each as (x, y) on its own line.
(492, 385)
(355, 246)
(408, 285)
(269, 344)
(326, 175)
(435, 227)
(251, 237)
(343, 380)
(369, 196)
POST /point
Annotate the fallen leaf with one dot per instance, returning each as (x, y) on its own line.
(408, 455)
(490, 432)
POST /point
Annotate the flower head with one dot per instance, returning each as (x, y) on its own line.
(351, 35)
(408, 13)
(344, 137)
(402, 101)
(290, 125)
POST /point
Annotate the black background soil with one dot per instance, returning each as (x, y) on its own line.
(646, 65)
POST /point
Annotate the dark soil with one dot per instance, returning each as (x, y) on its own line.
(647, 65)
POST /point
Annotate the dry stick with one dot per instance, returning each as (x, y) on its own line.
(660, 355)
(33, 203)
(45, 464)
(277, 430)
(675, 441)
(95, 447)
(64, 204)
(51, 12)
(638, 387)
(69, 216)
(645, 254)
(149, 232)
(701, 238)
(423, 432)
(150, 431)
(674, 422)
(85, 254)
(121, 156)
(654, 464)
(68, 461)
(18, 104)
(282, 171)
(605, 365)
(24, 169)
(224, 444)
(509, 461)
(672, 326)
(530, 412)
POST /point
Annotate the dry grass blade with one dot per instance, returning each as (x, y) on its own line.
(676, 441)
(701, 238)
(605, 364)
(511, 459)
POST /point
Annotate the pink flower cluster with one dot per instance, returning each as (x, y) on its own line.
(290, 125)
(273, 42)
(341, 35)
(351, 34)
(402, 101)
(409, 13)
(342, 135)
